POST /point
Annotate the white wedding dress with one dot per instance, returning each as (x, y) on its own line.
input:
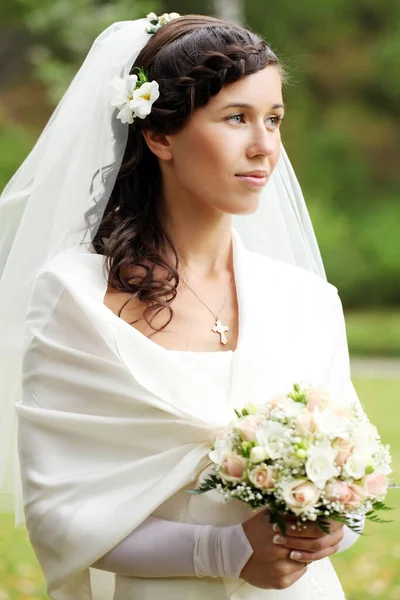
(320, 582)
(114, 428)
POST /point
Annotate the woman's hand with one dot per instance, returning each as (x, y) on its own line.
(273, 564)
(311, 543)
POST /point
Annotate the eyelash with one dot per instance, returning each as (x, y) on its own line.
(278, 119)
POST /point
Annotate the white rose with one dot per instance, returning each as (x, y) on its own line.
(356, 465)
(300, 495)
(332, 423)
(287, 405)
(258, 454)
(272, 437)
(320, 464)
(366, 439)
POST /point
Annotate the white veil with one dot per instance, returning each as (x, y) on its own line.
(43, 206)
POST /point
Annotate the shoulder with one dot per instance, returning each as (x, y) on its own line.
(68, 289)
(75, 269)
(288, 277)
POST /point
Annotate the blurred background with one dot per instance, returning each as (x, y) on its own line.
(342, 133)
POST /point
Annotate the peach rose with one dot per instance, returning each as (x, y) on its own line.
(316, 400)
(376, 485)
(344, 448)
(343, 411)
(351, 496)
(306, 424)
(300, 495)
(232, 467)
(337, 491)
(248, 426)
(278, 399)
(263, 477)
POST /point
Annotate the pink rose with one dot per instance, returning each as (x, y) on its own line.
(232, 467)
(343, 411)
(351, 496)
(278, 399)
(376, 485)
(316, 400)
(263, 477)
(345, 448)
(306, 424)
(357, 496)
(337, 491)
(300, 495)
(248, 426)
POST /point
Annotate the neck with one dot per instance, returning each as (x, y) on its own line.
(202, 238)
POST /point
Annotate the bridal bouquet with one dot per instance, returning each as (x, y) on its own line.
(305, 454)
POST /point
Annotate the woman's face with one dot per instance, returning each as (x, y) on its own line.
(236, 133)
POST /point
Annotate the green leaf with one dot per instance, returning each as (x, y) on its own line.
(208, 484)
(276, 518)
(323, 524)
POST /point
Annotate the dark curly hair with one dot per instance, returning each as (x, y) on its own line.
(191, 58)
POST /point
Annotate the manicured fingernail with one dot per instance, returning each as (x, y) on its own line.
(275, 527)
(278, 539)
(295, 555)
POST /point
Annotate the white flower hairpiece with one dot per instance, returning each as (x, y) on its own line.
(156, 22)
(134, 96)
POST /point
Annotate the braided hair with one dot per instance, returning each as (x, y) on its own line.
(191, 58)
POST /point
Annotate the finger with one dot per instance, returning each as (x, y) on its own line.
(309, 544)
(308, 530)
(312, 530)
(335, 526)
(287, 566)
(301, 557)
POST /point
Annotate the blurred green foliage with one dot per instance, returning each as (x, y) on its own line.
(374, 333)
(341, 130)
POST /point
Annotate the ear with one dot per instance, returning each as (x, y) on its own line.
(159, 143)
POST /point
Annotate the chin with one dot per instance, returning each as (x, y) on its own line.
(249, 207)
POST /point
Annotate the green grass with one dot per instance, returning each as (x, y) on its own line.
(368, 570)
(374, 333)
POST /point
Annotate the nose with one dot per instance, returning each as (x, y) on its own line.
(263, 142)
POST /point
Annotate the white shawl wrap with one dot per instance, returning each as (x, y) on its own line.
(111, 428)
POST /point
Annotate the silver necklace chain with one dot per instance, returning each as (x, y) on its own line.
(216, 316)
(219, 328)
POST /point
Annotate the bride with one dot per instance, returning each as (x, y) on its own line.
(197, 286)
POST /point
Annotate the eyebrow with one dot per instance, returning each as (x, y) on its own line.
(245, 105)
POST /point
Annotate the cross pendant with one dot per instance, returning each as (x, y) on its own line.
(219, 328)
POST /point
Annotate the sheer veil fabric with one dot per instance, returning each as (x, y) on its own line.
(42, 213)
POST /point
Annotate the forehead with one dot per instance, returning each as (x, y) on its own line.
(261, 89)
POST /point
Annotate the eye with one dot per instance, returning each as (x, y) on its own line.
(235, 118)
(276, 120)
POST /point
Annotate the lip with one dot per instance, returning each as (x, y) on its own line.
(255, 173)
(257, 181)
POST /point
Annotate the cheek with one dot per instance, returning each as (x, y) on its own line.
(202, 157)
(274, 158)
